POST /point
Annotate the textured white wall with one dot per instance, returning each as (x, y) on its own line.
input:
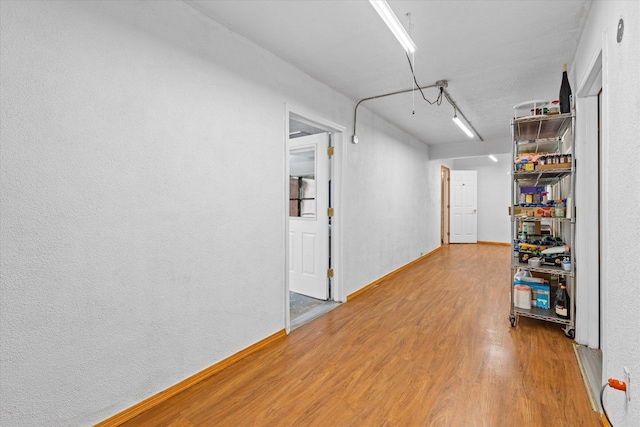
(621, 177)
(494, 195)
(142, 159)
(391, 218)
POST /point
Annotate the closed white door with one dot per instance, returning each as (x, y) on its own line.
(308, 220)
(464, 207)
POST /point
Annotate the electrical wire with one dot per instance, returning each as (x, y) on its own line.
(438, 100)
(602, 404)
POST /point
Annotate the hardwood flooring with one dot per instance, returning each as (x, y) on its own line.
(430, 346)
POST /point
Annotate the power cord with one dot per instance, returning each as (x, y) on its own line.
(615, 384)
(438, 100)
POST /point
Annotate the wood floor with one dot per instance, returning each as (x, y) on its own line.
(431, 346)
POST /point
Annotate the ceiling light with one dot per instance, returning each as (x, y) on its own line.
(390, 18)
(492, 157)
(462, 126)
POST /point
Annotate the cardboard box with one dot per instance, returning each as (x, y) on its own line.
(542, 212)
(517, 210)
(541, 299)
(523, 256)
(532, 190)
(553, 260)
(553, 166)
(532, 228)
(540, 295)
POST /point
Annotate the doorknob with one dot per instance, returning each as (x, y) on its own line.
(475, 210)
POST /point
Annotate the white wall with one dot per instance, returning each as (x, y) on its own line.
(621, 179)
(142, 158)
(494, 195)
(391, 218)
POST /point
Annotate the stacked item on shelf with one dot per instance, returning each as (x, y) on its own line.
(530, 162)
(535, 254)
(531, 291)
(534, 202)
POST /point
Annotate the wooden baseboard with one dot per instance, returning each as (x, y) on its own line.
(158, 398)
(482, 242)
(605, 423)
(396, 271)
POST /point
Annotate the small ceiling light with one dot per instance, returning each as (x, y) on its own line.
(462, 126)
(492, 157)
(390, 18)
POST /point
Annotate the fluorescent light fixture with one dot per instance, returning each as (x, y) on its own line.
(492, 157)
(462, 126)
(390, 18)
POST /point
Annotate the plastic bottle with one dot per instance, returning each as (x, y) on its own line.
(559, 209)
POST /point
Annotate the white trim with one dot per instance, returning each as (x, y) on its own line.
(588, 263)
(592, 80)
(604, 209)
(337, 167)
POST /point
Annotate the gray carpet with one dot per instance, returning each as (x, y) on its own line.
(303, 309)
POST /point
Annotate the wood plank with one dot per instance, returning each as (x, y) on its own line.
(430, 346)
(158, 398)
(396, 271)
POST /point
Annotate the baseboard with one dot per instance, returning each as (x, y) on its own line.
(482, 242)
(394, 272)
(605, 423)
(158, 398)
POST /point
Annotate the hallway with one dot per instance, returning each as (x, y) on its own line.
(430, 346)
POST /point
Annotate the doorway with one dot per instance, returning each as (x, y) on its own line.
(591, 224)
(313, 218)
(464, 207)
(309, 233)
(444, 205)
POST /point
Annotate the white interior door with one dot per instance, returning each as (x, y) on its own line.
(308, 220)
(464, 207)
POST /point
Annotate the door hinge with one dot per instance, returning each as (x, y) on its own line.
(330, 150)
(448, 234)
(330, 212)
(330, 273)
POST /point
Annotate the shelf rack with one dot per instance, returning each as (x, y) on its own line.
(539, 134)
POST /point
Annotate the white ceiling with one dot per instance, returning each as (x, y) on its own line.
(494, 54)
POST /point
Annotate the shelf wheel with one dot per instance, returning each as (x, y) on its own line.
(569, 332)
(512, 319)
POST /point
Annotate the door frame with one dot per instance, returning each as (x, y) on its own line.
(336, 174)
(591, 260)
(444, 204)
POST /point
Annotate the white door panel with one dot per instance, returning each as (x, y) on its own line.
(309, 231)
(292, 250)
(464, 208)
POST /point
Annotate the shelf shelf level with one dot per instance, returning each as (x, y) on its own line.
(542, 175)
(541, 313)
(533, 128)
(542, 269)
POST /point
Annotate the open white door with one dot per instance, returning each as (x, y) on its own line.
(308, 220)
(464, 207)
